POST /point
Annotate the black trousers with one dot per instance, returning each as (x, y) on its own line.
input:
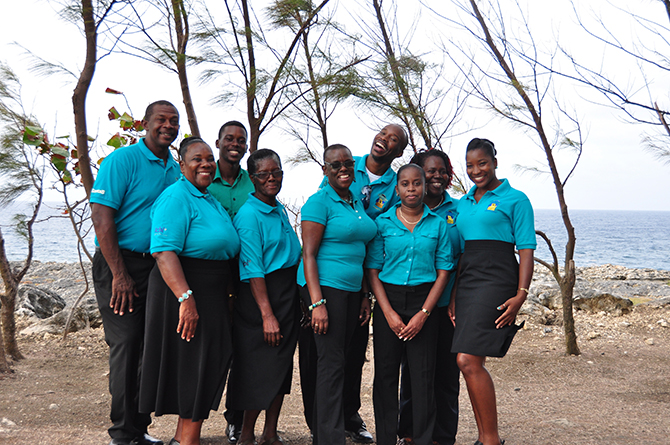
(447, 387)
(328, 408)
(420, 353)
(353, 370)
(124, 335)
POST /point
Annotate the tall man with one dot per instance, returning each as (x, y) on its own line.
(129, 181)
(374, 184)
(231, 187)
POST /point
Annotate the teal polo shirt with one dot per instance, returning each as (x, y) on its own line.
(503, 214)
(448, 211)
(382, 195)
(192, 224)
(129, 181)
(231, 197)
(407, 258)
(268, 242)
(346, 234)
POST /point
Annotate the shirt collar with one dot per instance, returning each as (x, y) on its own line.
(502, 189)
(261, 206)
(193, 190)
(388, 176)
(332, 194)
(390, 214)
(152, 157)
(217, 175)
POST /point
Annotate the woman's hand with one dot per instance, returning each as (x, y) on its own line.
(414, 326)
(395, 322)
(364, 315)
(451, 310)
(320, 319)
(511, 309)
(188, 319)
(271, 332)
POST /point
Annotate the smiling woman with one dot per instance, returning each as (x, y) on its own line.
(188, 343)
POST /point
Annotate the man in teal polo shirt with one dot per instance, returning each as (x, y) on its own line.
(231, 187)
(231, 184)
(129, 181)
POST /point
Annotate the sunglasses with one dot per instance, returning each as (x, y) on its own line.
(265, 175)
(349, 163)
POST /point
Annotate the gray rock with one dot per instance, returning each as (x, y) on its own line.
(41, 303)
(603, 302)
(87, 315)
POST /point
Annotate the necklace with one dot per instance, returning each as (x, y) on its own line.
(404, 219)
(438, 204)
(349, 200)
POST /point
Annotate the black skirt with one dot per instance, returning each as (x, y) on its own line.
(260, 372)
(180, 377)
(489, 276)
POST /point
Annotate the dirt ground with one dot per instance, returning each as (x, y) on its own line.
(616, 392)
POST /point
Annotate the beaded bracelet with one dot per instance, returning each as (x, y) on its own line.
(425, 311)
(185, 296)
(318, 303)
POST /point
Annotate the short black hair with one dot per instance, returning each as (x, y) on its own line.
(233, 124)
(187, 142)
(484, 144)
(406, 166)
(150, 109)
(421, 158)
(256, 157)
(405, 140)
(334, 147)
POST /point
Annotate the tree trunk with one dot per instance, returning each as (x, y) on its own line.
(182, 32)
(4, 365)
(8, 304)
(567, 288)
(80, 92)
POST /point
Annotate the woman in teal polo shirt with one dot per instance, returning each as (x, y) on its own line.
(187, 343)
(335, 232)
(408, 267)
(439, 174)
(265, 331)
(493, 218)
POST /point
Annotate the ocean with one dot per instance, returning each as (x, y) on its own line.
(636, 239)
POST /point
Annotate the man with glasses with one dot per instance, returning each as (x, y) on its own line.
(374, 185)
(231, 187)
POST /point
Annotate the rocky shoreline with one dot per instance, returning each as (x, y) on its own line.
(50, 289)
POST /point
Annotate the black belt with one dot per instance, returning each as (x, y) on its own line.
(132, 254)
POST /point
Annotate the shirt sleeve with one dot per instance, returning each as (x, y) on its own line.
(524, 225)
(444, 256)
(374, 258)
(251, 249)
(111, 183)
(170, 222)
(315, 210)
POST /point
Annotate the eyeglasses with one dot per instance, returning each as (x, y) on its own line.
(365, 191)
(263, 176)
(349, 163)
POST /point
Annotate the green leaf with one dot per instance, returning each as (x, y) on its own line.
(60, 151)
(113, 114)
(116, 141)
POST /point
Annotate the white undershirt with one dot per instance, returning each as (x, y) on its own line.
(372, 176)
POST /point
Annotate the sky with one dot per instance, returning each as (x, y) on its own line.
(614, 173)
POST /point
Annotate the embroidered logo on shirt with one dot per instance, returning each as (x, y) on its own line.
(245, 263)
(160, 230)
(102, 192)
(450, 218)
(381, 201)
(493, 206)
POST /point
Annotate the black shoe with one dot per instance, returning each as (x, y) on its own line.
(362, 435)
(233, 432)
(120, 442)
(147, 440)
